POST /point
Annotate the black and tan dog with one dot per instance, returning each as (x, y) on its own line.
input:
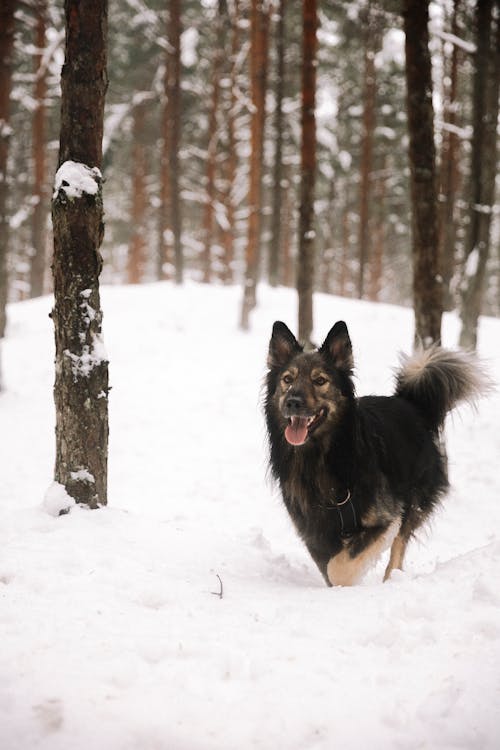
(359, 475)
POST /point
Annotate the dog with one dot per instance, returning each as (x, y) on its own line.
(359, 475)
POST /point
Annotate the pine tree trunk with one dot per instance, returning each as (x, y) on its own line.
(170, 204)
(369, 97)
(38, 225)
(378, 236)
(174, 92)
(137, 244)
(230, 163)
(165, 253)
(306, 262)
(81, 383)
(450, 169)
(7, 8)
(258, 77)
(346, 233)
(212, 150)
(328, 254)
(483, 166)
(427, 281)
(287, 271)
(276, 222)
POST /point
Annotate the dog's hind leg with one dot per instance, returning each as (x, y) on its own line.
(396, 558)
(413, 519)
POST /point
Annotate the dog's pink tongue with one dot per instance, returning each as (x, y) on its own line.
(296, 432)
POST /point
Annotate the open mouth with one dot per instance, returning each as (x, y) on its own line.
(299, 429)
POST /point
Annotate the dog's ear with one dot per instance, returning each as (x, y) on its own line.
(337, 347)
(283, 345)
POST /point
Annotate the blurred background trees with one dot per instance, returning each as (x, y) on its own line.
(202, 146)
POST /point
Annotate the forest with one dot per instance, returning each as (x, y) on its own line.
(174, 178)
(202, 150)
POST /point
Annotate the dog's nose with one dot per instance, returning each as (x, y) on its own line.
(294, 403)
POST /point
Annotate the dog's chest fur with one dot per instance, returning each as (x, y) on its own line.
(310, 489)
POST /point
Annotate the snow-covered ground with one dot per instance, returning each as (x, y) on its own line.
(113, 635)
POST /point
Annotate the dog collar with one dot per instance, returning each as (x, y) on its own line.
(347, 514)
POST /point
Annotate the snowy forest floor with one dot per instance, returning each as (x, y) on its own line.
(113, 636)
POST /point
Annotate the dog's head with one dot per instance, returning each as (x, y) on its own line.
(307, 392)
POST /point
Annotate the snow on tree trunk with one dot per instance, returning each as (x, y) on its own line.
(483, 166)
(7, 8)
(305, 274)
(427, 281)
(81, 382)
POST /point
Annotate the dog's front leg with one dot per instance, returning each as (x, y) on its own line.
(348, 566)
(321, 556)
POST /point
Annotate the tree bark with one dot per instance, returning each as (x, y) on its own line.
(39, 218)
(371, 43)
(81, 383)
(137, 244)
(7, 8)
(378, 236)
(327, 266)
(231, 162)
(170, 209)
(305, 274)
(484, 154)
(427, 281)
(276, 222)
(258, 77)
(213, 141)
(288, 270)
(344, 276)
(450, 169)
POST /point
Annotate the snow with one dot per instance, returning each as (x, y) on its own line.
(471, 264)
(82, 475)
(114, 631)
(5, 129)
(457, 41)
(393, 49)
(56, 500)
(91, 356)
(189, 44)
(74, 179)
(116, 114)
(463, 133)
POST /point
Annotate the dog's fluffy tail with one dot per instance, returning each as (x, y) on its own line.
(436, 380)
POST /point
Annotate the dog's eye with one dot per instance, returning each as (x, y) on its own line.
(287, 379)
(320, 381)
